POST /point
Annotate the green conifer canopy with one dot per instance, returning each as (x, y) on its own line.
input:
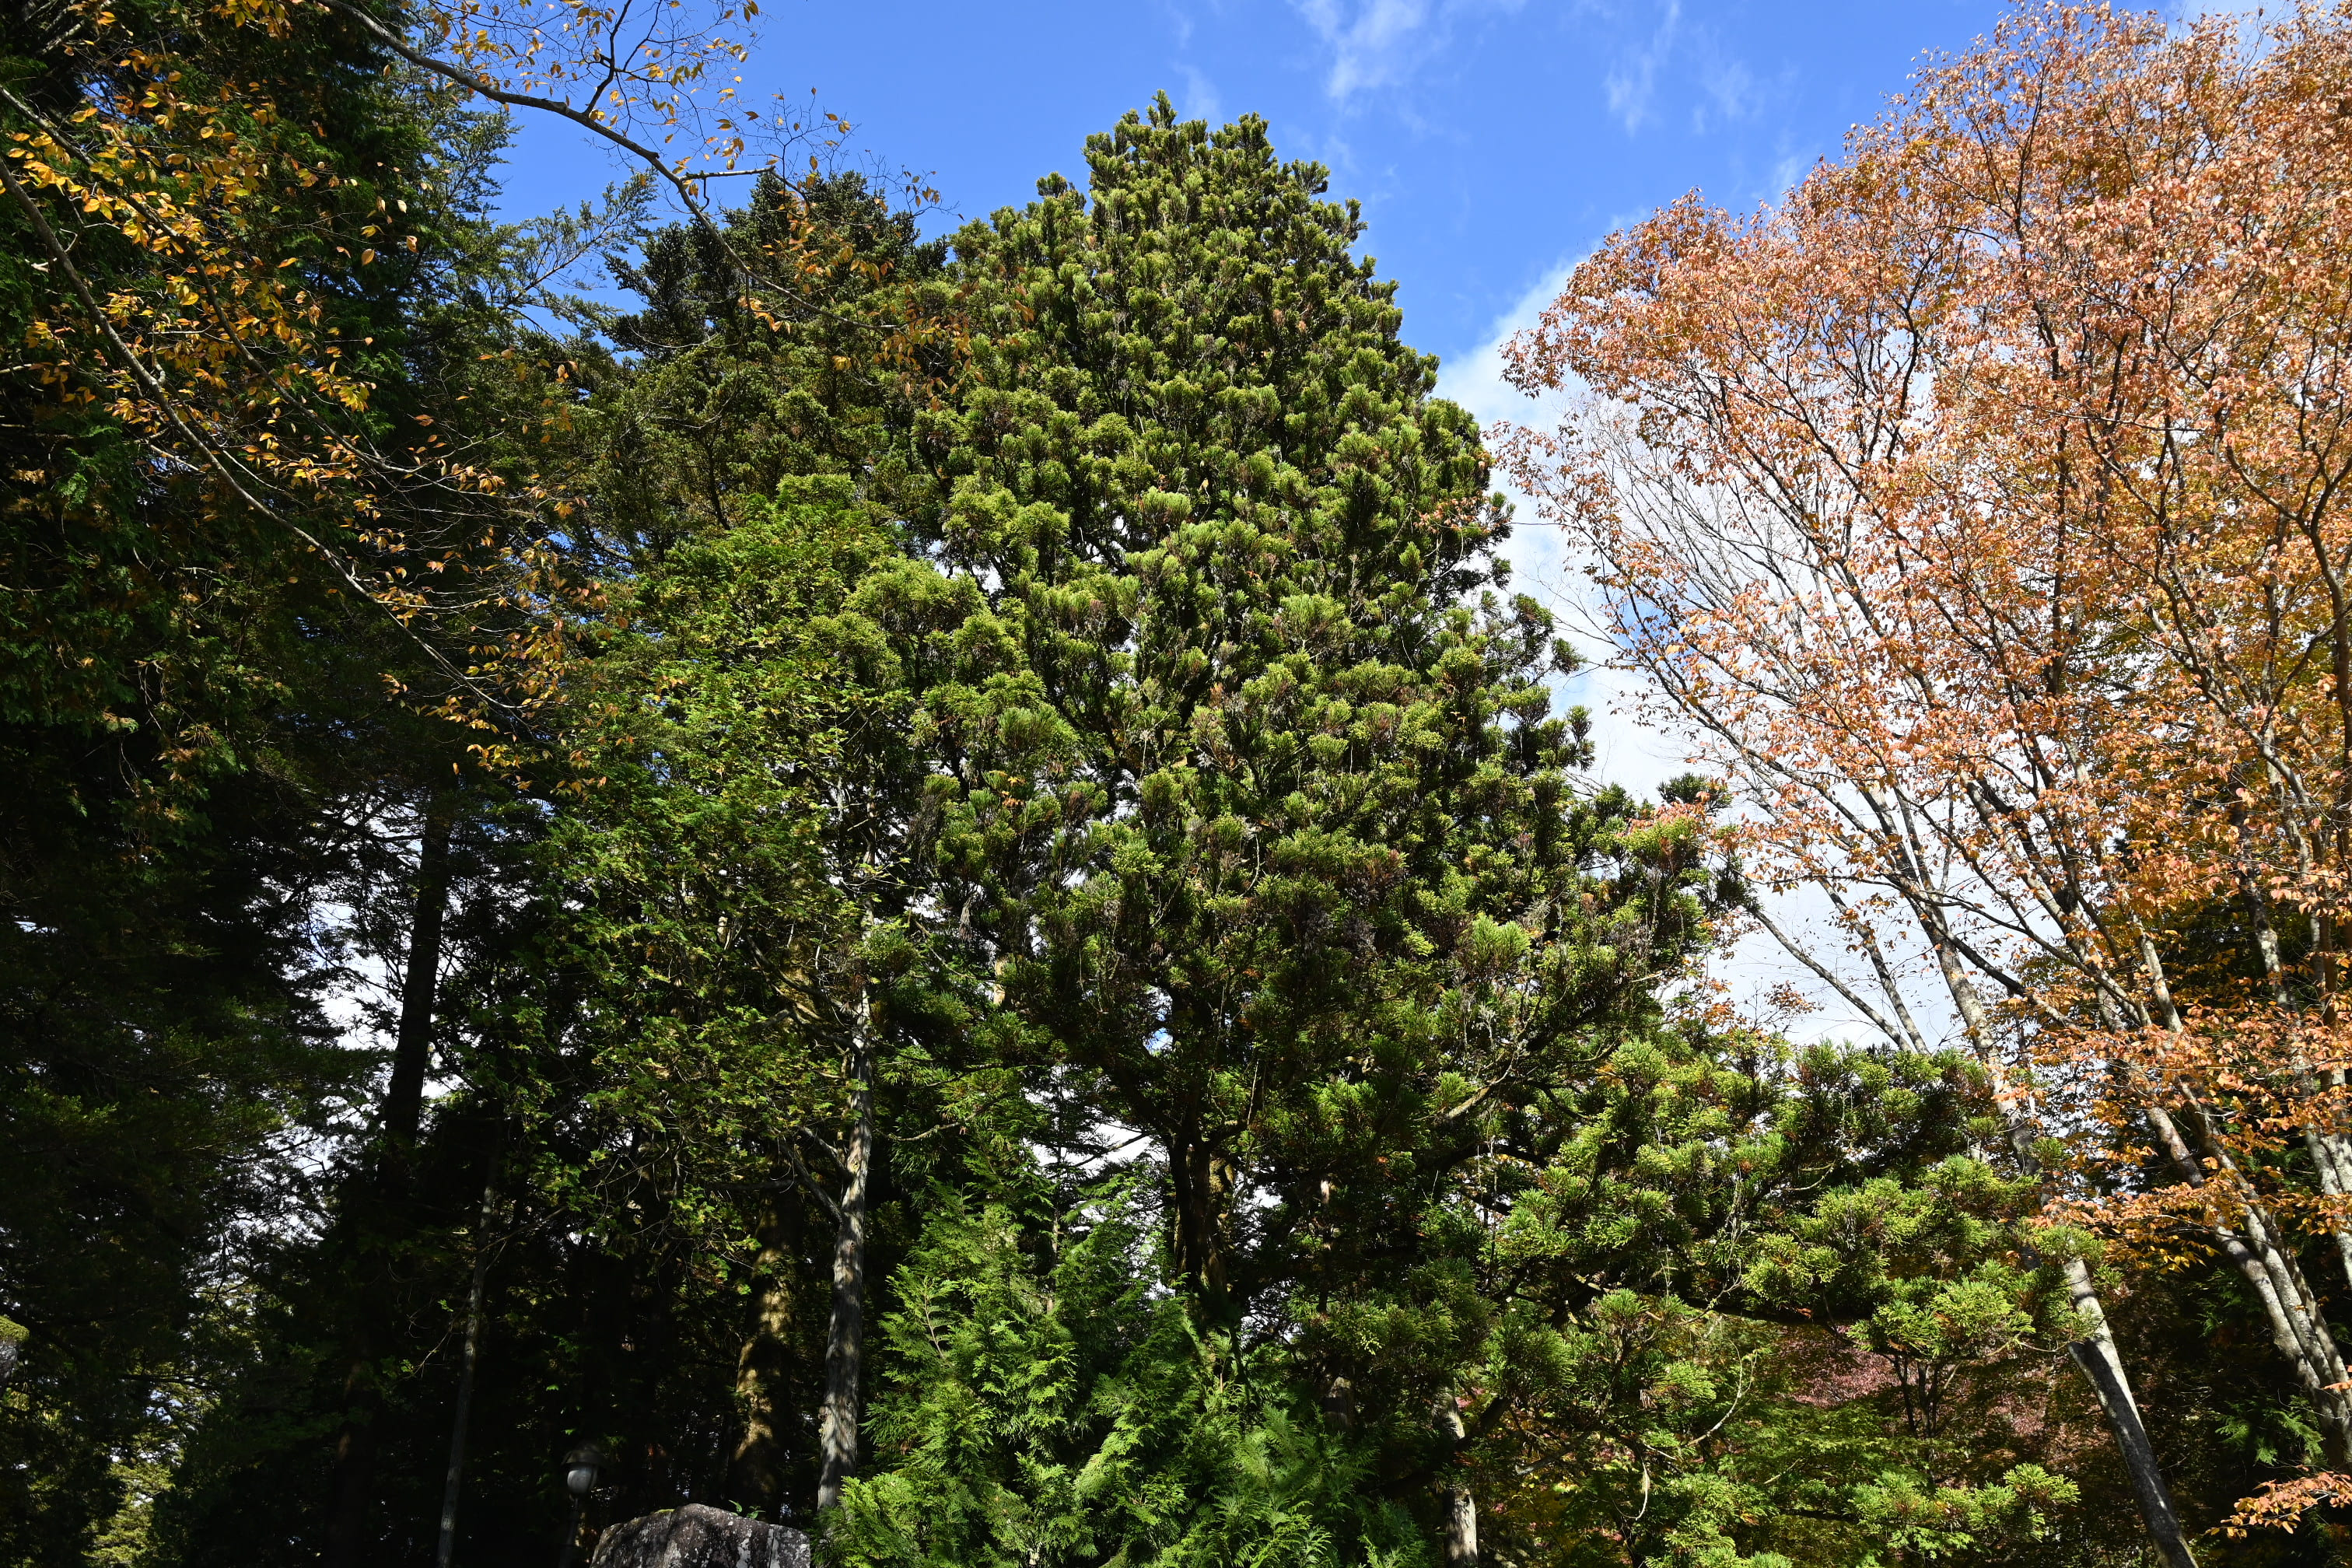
(1303, 889)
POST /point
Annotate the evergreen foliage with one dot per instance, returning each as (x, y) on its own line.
(974, 883)
(1068, 1413)
(194, 725)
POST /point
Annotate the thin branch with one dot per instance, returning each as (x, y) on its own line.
(1879, 1021)
(148, 384)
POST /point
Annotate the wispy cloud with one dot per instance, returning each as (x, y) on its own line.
(1547, 566)
(1733, 93)
(1787, 169)
(1678, 63)
(1380, 43)
(1366, 40)
(1202, 99)
(1476, 381)
(1633, 82)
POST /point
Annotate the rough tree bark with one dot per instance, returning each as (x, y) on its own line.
(354, 1462)
(844, 1339)
(756, 1470)
(404, 1099)
(1461, 1519)
(1201, 1183)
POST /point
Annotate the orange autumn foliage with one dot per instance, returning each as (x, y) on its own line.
(1981, 509)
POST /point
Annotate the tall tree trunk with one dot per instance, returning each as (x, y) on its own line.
(456, 1476)
(1203, 1182)
(2096, 1355)
(845, 1340)
(1460, 1525)
(2265, 1257)
(2102, 1368)
(354, 1467)
(352, 1489)
(756, 1472)
(2254, 1240)
(404, 1099)
(2331, 1153)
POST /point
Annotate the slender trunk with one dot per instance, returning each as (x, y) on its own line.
(2300, 1336)
(2096, 1355)
(2246, 1228)
(2102, 1368)
(2254, 1240)
(755, 1472)
(352, 1492)
(2331, 1158)
(404, 1099)
(2298, 1327)
(12, 1343)
(845, 1341)
(1461, 1518)
(455, 1476)
(354, 1467)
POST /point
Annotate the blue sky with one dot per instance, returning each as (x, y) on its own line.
(1490, 141)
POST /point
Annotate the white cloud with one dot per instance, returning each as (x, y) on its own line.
(1202, 100)
(1380, 43)
(1367, 45)
(1732, 90)
(1786, 172)
(1681, 62)
(1476, 382)
(1629, 753)
(1633, 81)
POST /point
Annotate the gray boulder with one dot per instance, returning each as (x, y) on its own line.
(699, 1537)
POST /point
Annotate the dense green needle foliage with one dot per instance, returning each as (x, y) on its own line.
(724, 392)
(1071, 1415)
(1298, 888)
(961, 881)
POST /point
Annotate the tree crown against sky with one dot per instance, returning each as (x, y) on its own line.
(987, 930)
(1975, 507)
